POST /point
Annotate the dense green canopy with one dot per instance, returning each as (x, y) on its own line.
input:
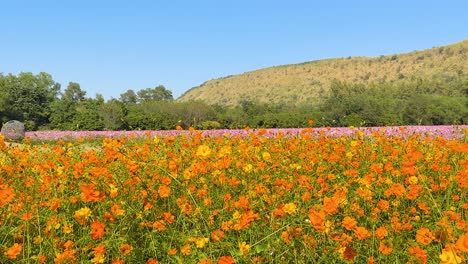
(38, 101)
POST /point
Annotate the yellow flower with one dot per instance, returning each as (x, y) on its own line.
(201, 242)
(203, 151)
(84, 212)
(59, 170)
(413, 179)
(449, 257)
(113, 190)
(67, 228)
(224, 151)
(99, 258)
(244, 248)
(236, 215)
(328, 226)
(37, 240)
(248, 168)
(266, 156)
(289, 208)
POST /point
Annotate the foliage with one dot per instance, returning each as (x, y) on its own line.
(88, 115)
(113, 113)
(27, 98)
(159, 93)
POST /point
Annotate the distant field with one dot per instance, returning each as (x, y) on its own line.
(313, 195)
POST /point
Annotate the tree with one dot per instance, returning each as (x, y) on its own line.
(160, 93)
(113, 113)
(129, 97)
(28, 97)
(74, 93)
(64, 109)
(63, 114)
(88, 114)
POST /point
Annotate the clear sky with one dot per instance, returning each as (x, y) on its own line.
(109, 47)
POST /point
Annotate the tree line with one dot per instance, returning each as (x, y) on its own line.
(39, 102)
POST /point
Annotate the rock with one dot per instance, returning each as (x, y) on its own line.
(13, 130)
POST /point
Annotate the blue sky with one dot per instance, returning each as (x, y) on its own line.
(111, 46)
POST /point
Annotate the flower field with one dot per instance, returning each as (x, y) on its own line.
(377, 195)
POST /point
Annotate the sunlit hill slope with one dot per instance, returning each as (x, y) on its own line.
(310, 81)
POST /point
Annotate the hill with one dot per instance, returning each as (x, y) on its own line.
(310, 81)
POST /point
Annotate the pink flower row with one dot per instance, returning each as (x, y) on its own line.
(449, 132)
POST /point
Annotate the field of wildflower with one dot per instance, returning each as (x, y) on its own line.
(313, 195)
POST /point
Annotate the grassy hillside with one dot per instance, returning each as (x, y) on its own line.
(310, 81)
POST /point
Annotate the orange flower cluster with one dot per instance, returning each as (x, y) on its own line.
(219, 199)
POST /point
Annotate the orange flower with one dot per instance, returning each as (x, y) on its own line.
(349, 223)
(424, 236)
(384, 249)
(117, 261)
(99, 249)
(317, 219)
(381, 232)
(186, 249)
(152, 261)
(424, 207)
(462, 243)
(330, 205)
(204, 261)
(26, 216)
(226, 260)
(159, 225)
(41, 259)
(168, 217)
(126, 249)
(419, 253)
(349, 254)
(89, 194)
(278, 212)
(383, 204)
(217, 235)
(361, 233)
(13, 251)
(164, 191)
(166, 180)
(243, 202)
(6, 194)
(97, 229)
(68, 255)
(245, 219)
(397, 189)
(116, 210)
